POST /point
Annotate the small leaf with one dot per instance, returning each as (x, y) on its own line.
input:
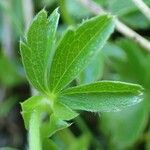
(77, 48)
(105, 87)
(55, 124)
(63, 112)
(39, 102)
(102, 96)
(37, 51)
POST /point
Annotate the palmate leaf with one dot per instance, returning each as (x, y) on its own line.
(77, 48)
(37, 51)
(102, 96)
(50, 74)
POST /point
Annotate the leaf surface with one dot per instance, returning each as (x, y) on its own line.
(77, 48)
(37, 50)
(53, 125)
(38, 102)
(63, 112)
(102, 96)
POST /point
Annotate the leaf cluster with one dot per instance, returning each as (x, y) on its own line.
(50, 67)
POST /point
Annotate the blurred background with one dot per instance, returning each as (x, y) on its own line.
(120, 59)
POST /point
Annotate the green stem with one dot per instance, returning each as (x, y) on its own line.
(34, 132)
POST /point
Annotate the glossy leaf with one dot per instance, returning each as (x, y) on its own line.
(37, 51)
(105, 87)
(102, 96)
(77, 48)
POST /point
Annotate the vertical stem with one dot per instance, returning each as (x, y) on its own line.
(34, 132)
(34, 125)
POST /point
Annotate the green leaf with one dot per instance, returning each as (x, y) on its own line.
(105, 86)
(53, 125)
(63, 112)
(35, 102)
(39, 102)
(37, 51)
(102, 96)
(57, 124)
(77, 48)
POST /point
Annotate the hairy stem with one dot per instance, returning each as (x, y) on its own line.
(120, 27)
(34, 132)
